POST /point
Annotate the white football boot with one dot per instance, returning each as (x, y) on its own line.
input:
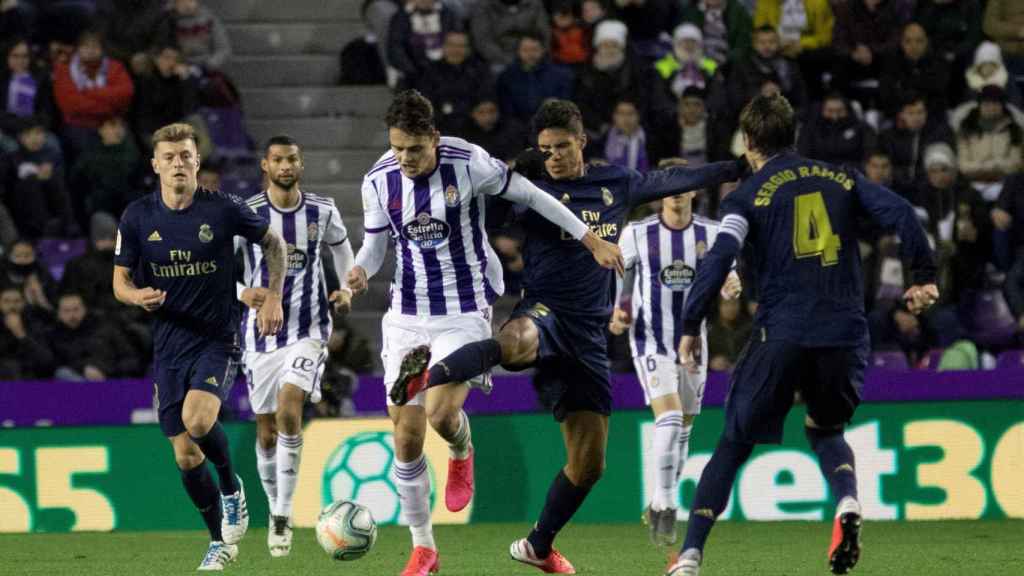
(234, 519)
(688, 564)
(279, 536)
(218, 555)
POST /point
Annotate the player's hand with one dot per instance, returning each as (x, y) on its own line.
(356, 280)
(254, 297)
(689, 353)
(605, 253)
(732, 288)
(619, 322)
(270, 316)
(342, 300)
(149, 299)
(530, 164)
(921, 298)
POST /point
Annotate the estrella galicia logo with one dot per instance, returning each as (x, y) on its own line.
(677, 276)
(426, 232)
(296, 260)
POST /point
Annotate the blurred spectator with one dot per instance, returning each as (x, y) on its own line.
(105, 178)
(805, 34)
(592, 12)
(363, 58)
(989, 142)
(201, 35)
(570, 39)
(765, 63)
(686, 65)
(686, 134)
(531, 80)
(988, 69)
(416, 36)
(455, 81)
(649, 23)
(625, 143)
(25, 90)
(1004, 23)
(834, 134)
(485, 127)
(508, 245)
(349, 355)
(23, 271)
(166, 95)
(85, 348)
(728, 334)
(91, 274)
(894, 328)
(15, 18)
(1008, 219)
(37, 195)
(725, 25)
(24, 352)
(878, 168)
(131, 27)
(865, 32)
(90, 88)
(611, 75)
(209, 176)
(496, 27)
(905, 142)
(914, 68)
(953, 28)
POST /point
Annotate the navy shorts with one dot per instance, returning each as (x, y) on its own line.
(212, 368)
(572, 360)
(769, 373)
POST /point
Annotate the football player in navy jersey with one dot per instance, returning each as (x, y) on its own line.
(178, 244)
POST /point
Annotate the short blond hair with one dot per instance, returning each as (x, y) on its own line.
(177, 132)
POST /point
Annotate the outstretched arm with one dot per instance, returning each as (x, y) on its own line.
(658, 184)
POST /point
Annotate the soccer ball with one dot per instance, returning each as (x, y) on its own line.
(346, 530)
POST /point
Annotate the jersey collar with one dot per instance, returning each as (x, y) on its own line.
(275, 208)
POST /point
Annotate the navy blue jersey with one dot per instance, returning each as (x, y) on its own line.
(190, 255)
(563, 275)
(799, 219)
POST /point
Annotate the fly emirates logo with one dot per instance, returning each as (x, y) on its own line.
(604, 230)
(182, 266)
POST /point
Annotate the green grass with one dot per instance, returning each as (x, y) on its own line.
(989, 548)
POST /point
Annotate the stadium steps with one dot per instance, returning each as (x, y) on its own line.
(269, 38)
(316, 100)
(333, 165)
(290, 11)
(282, 70)
(325, 132)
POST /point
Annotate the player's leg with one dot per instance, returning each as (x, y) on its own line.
(261, 373)
(413, 483)
(445, 415)
(266, 456)
(290, 400)
(202, 490)
(659, 378)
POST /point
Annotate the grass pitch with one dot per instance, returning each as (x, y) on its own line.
(992, 548)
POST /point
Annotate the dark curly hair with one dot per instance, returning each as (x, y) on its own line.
(560, 115)
(769, 123)
(411, 112)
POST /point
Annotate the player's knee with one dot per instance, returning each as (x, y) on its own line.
(198, 424)
(518, 343)
(289, 422)
(188, 458)
(443, 419)
(586, 474)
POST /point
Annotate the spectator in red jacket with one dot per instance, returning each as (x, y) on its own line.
(89, 89)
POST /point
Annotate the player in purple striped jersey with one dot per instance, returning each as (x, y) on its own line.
(662, 254)
(428, 193)
(284, 370)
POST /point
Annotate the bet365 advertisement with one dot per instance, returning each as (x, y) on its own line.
(914, 461)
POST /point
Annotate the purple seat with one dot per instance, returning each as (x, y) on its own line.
(889, 360)
(991, 323)
(1010, 359)
(55, 253)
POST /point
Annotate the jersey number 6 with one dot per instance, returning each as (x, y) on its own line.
(812, 230)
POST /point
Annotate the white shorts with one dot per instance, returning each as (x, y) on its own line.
(300, 364)
(661, 375)
(444, 335)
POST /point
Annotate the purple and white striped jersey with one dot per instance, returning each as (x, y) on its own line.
(307, 313)
(444, 264)
(665, 262)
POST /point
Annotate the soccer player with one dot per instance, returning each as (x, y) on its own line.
(560, 323)
(179, 243)
(799, 219)
(428, 193)
(662, 254)
(284, 370)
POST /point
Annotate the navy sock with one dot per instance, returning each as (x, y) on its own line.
(215, 446)
(713, 490)
(467, 362)
(564, 498)
(836, 460)
(203, 492)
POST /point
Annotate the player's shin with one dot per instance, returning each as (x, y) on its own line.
(836, 460)
(214, 445)
(563, 499)
(203, 491)
(266, 465)
(684, 445)
(413, 483)
(668, 428)
(466, 363)
(289, 455)
(713, 490)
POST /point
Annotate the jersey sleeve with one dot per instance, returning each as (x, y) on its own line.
(658, 184)
(490, 176)
(627, 244)
(893, 213)
(248, 224)
(336, 233)
(375, 218)
(126, 247)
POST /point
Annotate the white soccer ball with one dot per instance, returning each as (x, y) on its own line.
(346, 530)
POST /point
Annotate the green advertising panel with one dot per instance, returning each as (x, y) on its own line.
(914, 461)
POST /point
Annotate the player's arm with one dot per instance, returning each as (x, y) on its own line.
(336, 238)
(658, 184)
(621, 319)
(371, 254)
(893, 213)
(126, 257)
(270, 316)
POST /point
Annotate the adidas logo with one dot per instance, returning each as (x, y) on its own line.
(211, 381)
(155, 237)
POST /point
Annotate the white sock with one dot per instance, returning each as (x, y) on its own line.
(266, 464)
(289, 455)
(667, 429)
(459, 447)
(847, 504)
(684, 448)
(413, 485)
